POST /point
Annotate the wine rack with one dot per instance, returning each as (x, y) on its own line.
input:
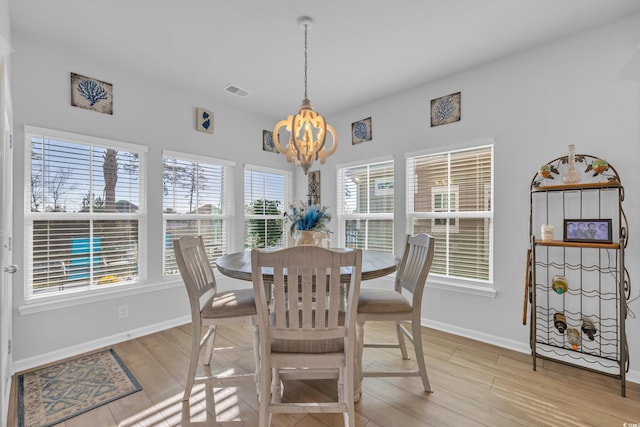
(598, 284)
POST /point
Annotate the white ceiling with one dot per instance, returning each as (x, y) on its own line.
(359, 50)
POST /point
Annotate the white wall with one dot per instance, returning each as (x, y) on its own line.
(146, 113)
(5, 25)
(533, 104)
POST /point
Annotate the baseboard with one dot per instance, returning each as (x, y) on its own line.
(633, 376)
(43, 359)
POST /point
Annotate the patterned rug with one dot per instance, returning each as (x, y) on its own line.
(56, 393)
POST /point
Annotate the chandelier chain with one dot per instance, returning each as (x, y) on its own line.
(305, 61)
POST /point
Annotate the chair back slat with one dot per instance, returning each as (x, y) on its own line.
(308, 296)
(196, 272)
(415, 265)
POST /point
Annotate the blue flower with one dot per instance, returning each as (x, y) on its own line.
(314, 217)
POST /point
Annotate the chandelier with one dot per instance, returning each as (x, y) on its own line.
(307, 129)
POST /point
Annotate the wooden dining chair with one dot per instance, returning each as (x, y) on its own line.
(210, 308)
(392, 306)
(308, 327)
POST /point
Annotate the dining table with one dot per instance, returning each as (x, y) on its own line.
(375, 264)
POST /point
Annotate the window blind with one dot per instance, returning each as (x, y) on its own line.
(449, 195)
(266, 197)
(196, 202)
(366, 205)
(83, 213)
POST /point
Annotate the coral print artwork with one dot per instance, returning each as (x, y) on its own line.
(91, 94)
(445, 109)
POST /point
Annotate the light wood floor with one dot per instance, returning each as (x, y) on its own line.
(475, 384)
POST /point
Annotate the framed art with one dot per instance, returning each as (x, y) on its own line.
(314, 187)
(91, 94)
(445, 109)
(267, 141)
(361, 131)
(587, 230)
(204, 120)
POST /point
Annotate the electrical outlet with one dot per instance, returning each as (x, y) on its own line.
(123, 311)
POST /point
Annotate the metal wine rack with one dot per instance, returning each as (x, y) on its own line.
(598, 282)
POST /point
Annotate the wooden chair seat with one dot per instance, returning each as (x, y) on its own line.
(373, 300)
(308, 346)
(236, 303)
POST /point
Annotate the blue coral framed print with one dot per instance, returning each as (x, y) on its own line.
(445, 109)
(361, 131)
(267, 141)
(204, 120)
(92, 94)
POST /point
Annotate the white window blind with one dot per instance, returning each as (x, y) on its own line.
(266, 197)
(84, 212)
(366, 205)
(449, 195)
(196, 202)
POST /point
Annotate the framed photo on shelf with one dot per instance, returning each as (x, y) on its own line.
(587, 230)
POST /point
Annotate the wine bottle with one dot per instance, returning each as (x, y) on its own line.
(589, 328)
(560, 322)
(559, 284)
(574, 338)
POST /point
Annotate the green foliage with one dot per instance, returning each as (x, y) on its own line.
(264, 233)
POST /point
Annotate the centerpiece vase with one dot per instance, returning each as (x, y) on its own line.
(306, 238)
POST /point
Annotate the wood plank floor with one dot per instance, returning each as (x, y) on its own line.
(475, 384)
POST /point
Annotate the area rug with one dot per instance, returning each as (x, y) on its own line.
(56, 393)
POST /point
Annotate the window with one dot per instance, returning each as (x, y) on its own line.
(449, 195)
(195, 202)
(266, 197)
(84, 212)
(365, 205)
(445, 199)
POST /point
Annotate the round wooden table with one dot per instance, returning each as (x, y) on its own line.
(374, 264)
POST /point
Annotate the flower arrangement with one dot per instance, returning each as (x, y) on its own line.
(307, 218)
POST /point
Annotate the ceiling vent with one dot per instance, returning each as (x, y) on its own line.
(235, 90)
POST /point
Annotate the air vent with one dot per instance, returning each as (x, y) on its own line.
(235, 90)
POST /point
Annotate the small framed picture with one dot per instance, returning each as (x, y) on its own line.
(361, 131)
(445, 109)
(587, 230)
(92, 94)
(204, 120)
(267, 141)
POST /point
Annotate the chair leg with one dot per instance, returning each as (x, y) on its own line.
(193, 362)
(264, 399)
(211, 333)
(357, 375)
(417, 345)
(277, 388)
(401, 341)
(256, 356)
(348, 391)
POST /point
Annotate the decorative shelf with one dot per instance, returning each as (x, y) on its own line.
(595, 282)
(578, 244)
(582, 186)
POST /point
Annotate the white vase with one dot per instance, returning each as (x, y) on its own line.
(306, 238)
(572, 176)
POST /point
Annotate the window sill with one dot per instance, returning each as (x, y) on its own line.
(461, 286)
(41, 304)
